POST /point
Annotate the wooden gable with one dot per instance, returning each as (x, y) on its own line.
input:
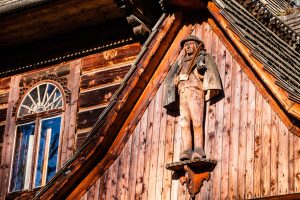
(256, 153)
(248, 132)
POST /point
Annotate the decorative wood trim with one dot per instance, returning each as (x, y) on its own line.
(67, 139)
(9, 135)
(288, 106)
(52, 77)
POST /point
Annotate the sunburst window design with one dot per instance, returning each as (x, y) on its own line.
(36, 146)
(41, 98)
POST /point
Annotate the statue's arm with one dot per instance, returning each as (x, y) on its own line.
(200, 64)
(170, 98)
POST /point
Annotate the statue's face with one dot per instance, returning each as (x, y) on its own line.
(190, 47)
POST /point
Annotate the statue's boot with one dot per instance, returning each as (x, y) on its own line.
(198, 153)
(185, 155)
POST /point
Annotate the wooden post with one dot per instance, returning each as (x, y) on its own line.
(9, 136)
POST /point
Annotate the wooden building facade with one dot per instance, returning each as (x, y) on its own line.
(116, 138)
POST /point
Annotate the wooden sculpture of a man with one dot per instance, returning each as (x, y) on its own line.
(192, 81)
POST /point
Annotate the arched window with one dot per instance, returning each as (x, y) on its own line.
(39, 118)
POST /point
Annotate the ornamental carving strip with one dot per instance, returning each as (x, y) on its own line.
(28, 85)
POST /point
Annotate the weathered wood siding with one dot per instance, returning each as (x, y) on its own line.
(92, 80)
(257, 156)
(102, 74)
(4, 93)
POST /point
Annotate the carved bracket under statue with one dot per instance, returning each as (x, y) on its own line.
(193, 172)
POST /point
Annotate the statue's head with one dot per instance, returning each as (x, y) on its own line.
(190, 44)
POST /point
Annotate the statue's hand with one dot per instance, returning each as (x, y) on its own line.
(176, 80)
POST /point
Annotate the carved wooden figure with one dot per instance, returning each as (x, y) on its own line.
(191, 81)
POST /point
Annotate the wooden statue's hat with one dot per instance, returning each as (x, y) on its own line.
(190, 38)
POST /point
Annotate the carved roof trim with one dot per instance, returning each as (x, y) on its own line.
(13, 5)
(273, 60)
(62, 58)
(279, 58)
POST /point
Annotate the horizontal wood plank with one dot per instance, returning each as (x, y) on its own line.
(88, 118)
(59, 70)
(3, 114)
(103, 77)
(4, 98)
(111, 57)
(97, 97)
(5, 83)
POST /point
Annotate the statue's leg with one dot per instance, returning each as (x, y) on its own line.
(196, 106)
(185, 124)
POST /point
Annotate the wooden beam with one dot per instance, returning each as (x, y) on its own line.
(294, 196)
(285, 107)
(185, 5)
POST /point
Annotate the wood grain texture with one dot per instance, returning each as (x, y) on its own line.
(106, 59)
(67, 139)
(269, 80)
(247, 138)
(102, 74)
(9, 135)
(117, 120)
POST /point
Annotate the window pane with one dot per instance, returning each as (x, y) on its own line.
(43, 97)
(48, 149)
(22, 163)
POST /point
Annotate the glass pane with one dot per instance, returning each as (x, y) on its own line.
(48, 149)
(22, 163)
(43, 97)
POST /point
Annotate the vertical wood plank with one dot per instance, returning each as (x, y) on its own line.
(9, 135)
(112, 184)
(141, 156)
(226, 127)
(297, 163)
(274, 155)
(103, 188)
(161, 149)
(283, 160)
(133, 162)
(216, 181)
(93, 192)
(211, 47)
(257, 146)
(251, 117)
(266, 159)
(108, 183)
(169, 149)
(123, 172)
(291, 163)
(96, 189)
(235, 123)
(154, 146)
(243, 137)
(177, 189)
(148, 148)
(74, 84)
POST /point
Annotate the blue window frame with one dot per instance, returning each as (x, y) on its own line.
(47, 151)
(23, 152)
(36, 148)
